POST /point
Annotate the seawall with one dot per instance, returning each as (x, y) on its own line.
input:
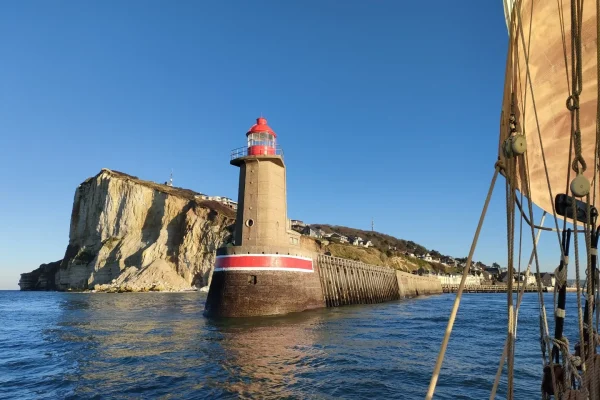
(411, 285)
(351, 282)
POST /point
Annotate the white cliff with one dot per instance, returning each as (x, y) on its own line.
(119, 222)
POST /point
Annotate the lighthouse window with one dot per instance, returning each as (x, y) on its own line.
(249, 222)
(261, 139)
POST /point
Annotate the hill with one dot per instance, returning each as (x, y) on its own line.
(386, 250)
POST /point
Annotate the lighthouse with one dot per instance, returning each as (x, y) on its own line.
(266, 271)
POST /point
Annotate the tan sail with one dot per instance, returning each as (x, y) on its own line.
(541, 42)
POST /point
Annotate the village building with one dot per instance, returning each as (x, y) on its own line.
(493, 271)
(426, 257)
(315, 233)
(355, 240)
(548, 279)
(337, 238)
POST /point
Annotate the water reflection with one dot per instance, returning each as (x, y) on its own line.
(266, 357)
(124, 344)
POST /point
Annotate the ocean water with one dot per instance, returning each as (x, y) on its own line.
(158, 345)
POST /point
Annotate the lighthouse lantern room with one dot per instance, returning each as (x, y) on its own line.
(261, 139)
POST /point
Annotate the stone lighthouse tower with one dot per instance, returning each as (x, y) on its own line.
(266, 272)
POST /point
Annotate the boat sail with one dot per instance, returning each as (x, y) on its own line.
(549, 152)
(538, 97)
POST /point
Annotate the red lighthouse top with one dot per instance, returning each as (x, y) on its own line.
(261, 127)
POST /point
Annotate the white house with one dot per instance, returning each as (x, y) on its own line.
(451, 279)
(427, 257)
(355, 240)
(527, 280)
(454, 279)
(336, 237)
(548, 279)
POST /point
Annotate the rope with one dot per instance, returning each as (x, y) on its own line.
(539, 278)
(561, 18)
(590, 303)
(570, 362)
(537, 122)
(595, 338)
(504, 352)
(560, 277)
(596, 147)
(510, 232)
(444, 345)
(578, 285)
(579, 165)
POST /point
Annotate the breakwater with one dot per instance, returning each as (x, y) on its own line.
(411, 285)
(351, 282)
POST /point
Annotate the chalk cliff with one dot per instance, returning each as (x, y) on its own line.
(119, 221)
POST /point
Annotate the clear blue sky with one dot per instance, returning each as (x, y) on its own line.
(385, 109)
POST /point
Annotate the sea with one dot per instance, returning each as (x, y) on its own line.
(159, 345)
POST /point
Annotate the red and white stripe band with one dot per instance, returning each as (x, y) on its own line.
(263, 262)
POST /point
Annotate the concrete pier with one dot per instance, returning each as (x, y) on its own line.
(351, 282)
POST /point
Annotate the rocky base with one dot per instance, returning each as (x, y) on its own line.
(41, 278)
(156, 277)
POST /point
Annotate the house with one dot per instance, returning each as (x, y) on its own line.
(355, 240)
(487, 276)
(308, 231)
(450, 279)
(368, 243)
(528, 280)
(448, 261)
(476, 267)
(494, 271)
(548, 279)
(522, 278)
(473, 280)
(455, 279)
(229, 203)
(296, 222)
(336, 237)
(427, 257)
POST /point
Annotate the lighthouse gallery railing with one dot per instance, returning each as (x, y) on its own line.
(244, 151)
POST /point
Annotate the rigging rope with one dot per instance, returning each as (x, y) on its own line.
(561, 18)
(543, 315)
(510, 231)
(578, 285)
(537, 122)
(444, 345)
(522, 290)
